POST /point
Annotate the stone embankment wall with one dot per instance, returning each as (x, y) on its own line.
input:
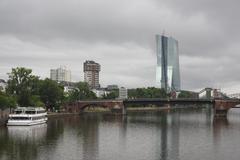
(4, 116)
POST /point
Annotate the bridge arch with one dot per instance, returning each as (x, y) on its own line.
(94, 105)
(79, 106)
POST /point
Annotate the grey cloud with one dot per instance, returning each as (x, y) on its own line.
(45, 34)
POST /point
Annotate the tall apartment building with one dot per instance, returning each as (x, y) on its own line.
(123, 93)
(91, 74)
(167, 73)
(60, 74)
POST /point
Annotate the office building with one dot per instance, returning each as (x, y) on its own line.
(167, 72)
(91, 74)
(123, 93)
(60, 74)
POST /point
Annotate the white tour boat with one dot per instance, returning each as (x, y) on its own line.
(27, 116)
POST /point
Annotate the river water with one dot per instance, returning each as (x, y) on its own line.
(180, 134)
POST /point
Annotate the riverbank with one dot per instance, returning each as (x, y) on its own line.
(138, 109)
(105, 110)
(60, 114)
(3, 121)
(4, 114)
(108, 111)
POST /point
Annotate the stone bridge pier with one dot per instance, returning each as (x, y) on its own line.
(221, 107)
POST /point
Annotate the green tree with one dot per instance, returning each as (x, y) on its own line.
(150, 92)
(158, 92)
(81, 92)
(3, 102)
(185, 94)
(20, 84)
(35, 85)
(7, 101)
(112, 94)
(132, 93)
(51, 94)
(36, 101)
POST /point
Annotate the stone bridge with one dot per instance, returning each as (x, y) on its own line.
(79, 106)
(220, 106)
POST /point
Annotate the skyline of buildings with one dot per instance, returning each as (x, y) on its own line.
(61, 74)
(91, 73)
(167, 71)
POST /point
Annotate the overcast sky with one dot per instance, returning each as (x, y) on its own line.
(120, 35)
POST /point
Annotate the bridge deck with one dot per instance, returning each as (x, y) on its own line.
(221, 106)
(170, 101)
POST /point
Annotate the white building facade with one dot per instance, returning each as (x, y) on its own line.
(100, 92)
(123, 93)
(61, 74)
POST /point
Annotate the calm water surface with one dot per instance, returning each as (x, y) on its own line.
(177, 135)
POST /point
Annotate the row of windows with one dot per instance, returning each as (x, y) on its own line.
(30, 112)
(26, 118)
(18, 112)
(20, 118)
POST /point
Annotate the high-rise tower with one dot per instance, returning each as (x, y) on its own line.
(167, 73)
(91, 73)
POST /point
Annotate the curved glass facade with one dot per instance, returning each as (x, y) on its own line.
(167, 72)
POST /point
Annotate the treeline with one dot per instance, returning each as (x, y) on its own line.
(114, 93)
(6, 101)
(150, 92)
(26, 89)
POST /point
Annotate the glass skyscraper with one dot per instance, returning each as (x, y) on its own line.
(167, 72)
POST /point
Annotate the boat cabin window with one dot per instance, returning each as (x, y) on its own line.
(18, 112)
(30, 112)
(20, 118)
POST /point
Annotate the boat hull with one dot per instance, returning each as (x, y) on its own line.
(26, 123)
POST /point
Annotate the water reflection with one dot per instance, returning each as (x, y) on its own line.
(219, 125)
(167, 135)
(26, 142)
(169, 148)
(27, 133)
(123, 131)
(20, 142)
(164, 138)
(90, 138)
(167, 126)
(175, 134)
